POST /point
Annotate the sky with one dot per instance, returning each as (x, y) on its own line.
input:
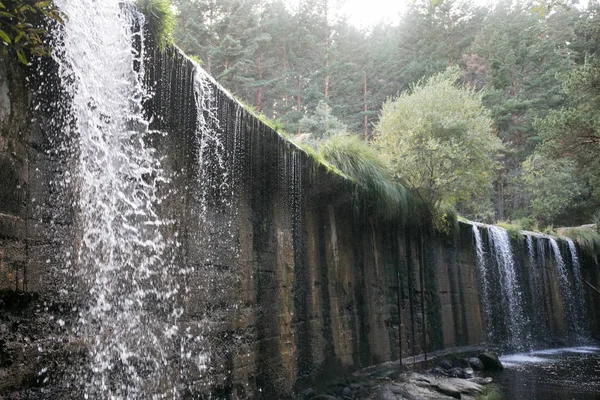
(364, 13)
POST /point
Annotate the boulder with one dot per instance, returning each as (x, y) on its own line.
(445, 364)
(491, 361)
(461, 363)
(476, 364)
(308, 394)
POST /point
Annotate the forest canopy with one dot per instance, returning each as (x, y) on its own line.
(535, 74)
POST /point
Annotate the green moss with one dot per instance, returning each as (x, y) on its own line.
(588, 239)
(490, 392)
(160, 20)
(357, 160)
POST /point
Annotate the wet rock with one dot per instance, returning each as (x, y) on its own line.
(463, 373)
(461, 363)
(481, 381)
(347, 393)
(308, 393)
(439, 371)
(491, 361)
(476, 364)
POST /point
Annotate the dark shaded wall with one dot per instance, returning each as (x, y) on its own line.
(288, 281)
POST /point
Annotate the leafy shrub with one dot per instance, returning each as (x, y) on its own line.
(20, 29)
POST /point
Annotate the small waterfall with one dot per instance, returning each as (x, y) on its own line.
(516, 321)
(127, 318)
(570, 294)
(481, 265)
(579, 315)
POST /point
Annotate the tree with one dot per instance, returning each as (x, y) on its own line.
(550, 185)
(438, 139)
(322, 124)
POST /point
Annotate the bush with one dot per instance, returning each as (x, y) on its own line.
(160, 20)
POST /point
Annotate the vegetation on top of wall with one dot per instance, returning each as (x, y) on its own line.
(355, 159)
(514, 229)
(20, 30)
(160, 20)
(587, 238)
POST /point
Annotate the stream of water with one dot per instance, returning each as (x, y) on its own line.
(558, 374)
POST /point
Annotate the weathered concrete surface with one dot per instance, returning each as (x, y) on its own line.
(291, 285)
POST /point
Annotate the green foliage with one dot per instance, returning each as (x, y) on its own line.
(160, 20)
(322, 124)
(587, 239)
(551, 186)
(195, 59)
(355, 159)
(20, 28)
(439, 140)
(490, 392)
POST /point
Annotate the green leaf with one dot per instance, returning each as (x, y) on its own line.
(21, 56)
(5, 38)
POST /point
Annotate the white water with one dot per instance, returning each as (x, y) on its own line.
(123, 266)
(516, 321)
(481, 265)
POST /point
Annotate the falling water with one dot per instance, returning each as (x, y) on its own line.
(570, 294)
(481, 264)
(123, 265)
(575, 263)
(579, 315)
(502, 252)
(560, 263)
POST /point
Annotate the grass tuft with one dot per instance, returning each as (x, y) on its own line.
(355, 159)
(160, 20)
(588, 239)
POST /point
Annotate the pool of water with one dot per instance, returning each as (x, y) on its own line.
(571, 373)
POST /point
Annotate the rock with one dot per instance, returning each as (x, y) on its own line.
(476, 364)
(461, 363)
(491, 361)
(463, 373)
(324, 397)
(347, 393)
(439, 371)
(445, 364)
(481, 381)
(308, 394)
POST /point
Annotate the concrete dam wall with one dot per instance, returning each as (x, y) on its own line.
(270, 277)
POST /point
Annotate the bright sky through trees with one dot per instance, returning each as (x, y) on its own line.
(365, 13)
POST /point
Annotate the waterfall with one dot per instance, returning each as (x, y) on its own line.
(579, 294)
(515, 318)
(123, 269)
(482, 267)
(571, 295)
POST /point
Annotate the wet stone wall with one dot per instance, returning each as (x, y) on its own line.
(284, 282)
